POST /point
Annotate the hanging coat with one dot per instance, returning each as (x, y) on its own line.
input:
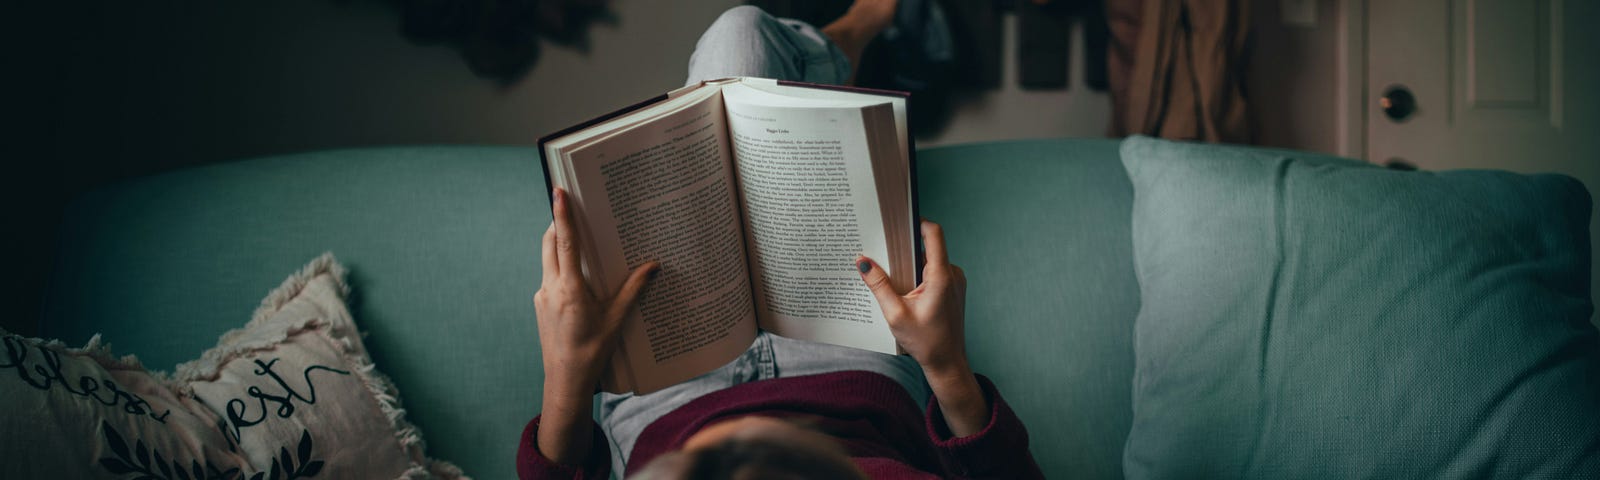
(1177, 68)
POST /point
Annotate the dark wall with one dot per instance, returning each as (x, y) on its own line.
(102, 90)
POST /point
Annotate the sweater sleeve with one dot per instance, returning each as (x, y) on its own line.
(532, 464)
(999, 450)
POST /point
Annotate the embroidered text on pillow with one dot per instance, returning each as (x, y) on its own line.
(237, 408)
(49, 374)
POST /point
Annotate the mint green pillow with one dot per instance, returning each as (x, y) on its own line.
(1313, 317)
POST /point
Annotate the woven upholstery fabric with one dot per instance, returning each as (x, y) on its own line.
(1041, 229)
(1311, 317)
(441, 244)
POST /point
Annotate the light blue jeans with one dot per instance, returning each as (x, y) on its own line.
(625, 416)
(746, 41)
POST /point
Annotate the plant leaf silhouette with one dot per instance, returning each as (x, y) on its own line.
(305, 446)
(161, 463)
(283, 455)
(115, 466)
(312, 468)
(143, 454)
(114, 440)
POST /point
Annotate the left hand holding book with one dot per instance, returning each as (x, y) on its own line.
(578, 334)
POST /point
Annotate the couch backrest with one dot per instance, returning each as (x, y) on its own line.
(442, 242)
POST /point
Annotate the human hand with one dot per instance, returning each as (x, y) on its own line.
(929, 321)
(578, 332)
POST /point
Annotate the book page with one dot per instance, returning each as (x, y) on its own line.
(807, 183)
(891, 163)
(664, 190)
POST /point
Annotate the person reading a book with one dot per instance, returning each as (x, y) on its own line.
(811, 391)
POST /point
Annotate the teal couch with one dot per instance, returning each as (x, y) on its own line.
(441, 244)
(1300, 317)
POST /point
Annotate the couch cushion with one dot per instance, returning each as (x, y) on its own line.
(442, 245)
(1313, 317)
(1041, 229)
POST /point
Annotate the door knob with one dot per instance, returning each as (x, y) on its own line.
(1397, 103)
(1397, 163)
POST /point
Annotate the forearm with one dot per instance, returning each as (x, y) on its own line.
(961, 400)
(567, 428)
(995, 447)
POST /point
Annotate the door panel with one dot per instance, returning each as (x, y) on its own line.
(1504, 52)
(1501, 84)
(1485, 77)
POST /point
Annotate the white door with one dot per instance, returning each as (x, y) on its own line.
(1504, 84)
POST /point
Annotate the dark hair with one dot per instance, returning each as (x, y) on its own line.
(753, 458)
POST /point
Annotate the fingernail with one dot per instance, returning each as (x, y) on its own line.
(654, 272)
(864, 266)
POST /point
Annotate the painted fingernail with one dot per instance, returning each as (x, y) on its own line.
(653, 272)
(864, 266)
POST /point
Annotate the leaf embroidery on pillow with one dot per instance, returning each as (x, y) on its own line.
(147, 463)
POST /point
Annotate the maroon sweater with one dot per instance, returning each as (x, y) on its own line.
(868, 413)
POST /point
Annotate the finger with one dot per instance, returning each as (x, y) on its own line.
(552, 267)
(566, 234)
(933, 244)
(628, 296)
(878, 282)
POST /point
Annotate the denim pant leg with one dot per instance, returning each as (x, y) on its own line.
(625, 416)
(795, 358)
(747, 42)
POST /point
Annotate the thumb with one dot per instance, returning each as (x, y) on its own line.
(631, 288)
(878, 281)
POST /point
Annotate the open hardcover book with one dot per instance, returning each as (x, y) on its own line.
(755, 195)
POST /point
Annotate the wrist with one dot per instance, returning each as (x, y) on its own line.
(953, 383)
(569, 387)
(568, 394)
(954, 369)
(575, 373)
(962, 401)
(566, 406)
(565, 427)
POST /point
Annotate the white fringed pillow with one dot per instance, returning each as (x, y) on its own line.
(292, 394)
(82, 413)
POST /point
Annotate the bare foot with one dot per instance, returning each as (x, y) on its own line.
(859, 25)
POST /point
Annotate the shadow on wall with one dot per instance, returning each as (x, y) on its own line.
(499, 39)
